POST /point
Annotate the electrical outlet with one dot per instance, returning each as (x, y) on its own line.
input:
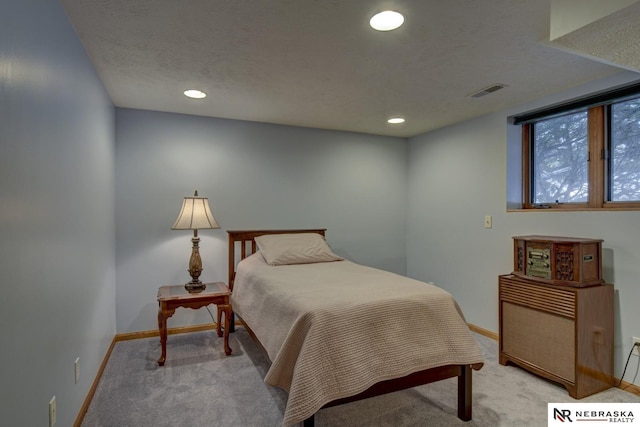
(636, 348)
(52, 412)
(77, 369)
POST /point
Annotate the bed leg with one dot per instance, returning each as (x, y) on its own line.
(232, 324)
(464, 393)
(309, 422)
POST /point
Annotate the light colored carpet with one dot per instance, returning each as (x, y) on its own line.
(200, 386)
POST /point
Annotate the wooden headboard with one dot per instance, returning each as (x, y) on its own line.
(245, 239)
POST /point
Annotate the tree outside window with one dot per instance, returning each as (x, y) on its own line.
(584, 158)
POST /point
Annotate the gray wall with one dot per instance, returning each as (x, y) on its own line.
(57, 229)
(459, 174)
(255, 176)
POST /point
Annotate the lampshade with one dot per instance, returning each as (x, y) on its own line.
(195, 214)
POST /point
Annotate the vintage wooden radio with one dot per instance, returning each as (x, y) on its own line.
(562, 261)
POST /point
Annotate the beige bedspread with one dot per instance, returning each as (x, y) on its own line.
(334, 329)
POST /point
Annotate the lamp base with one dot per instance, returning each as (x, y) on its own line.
(195, 287)
(195, 267)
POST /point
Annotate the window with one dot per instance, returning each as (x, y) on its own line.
(624, 157)
(559, 161)
(583, 155)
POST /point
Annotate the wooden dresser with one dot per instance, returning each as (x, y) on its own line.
(564, 334)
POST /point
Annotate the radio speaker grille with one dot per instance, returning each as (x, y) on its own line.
(543, 298)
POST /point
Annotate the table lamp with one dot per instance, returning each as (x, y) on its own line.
(195, 215)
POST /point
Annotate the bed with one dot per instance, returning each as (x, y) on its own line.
(336, 331)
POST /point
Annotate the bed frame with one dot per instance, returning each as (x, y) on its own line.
(244, 242)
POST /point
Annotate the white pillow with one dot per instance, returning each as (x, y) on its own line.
(297, 248)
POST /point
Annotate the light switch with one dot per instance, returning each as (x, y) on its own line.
(487, 221)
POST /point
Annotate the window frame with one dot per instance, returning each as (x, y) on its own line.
(599, 122)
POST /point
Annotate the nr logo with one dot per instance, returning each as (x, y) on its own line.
(562, 415)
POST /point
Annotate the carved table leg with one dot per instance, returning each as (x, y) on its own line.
(219, 325)
(163, 314)
(162, 326)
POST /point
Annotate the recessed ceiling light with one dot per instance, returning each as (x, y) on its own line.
(386, 21)
(193, 93)
(396, 120)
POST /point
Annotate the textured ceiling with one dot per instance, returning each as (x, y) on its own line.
(317, 63)
(614, 38)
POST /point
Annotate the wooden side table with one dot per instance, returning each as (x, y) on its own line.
(172, 297)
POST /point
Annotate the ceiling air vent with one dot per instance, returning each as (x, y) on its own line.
(487, 90)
